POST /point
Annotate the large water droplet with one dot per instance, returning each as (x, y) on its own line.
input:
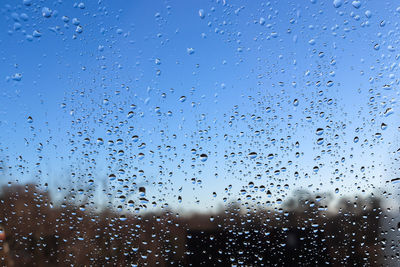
(395, 180)
(356, 4)
(252, 155)
(337, 3)
(388, 112)
(203, 157)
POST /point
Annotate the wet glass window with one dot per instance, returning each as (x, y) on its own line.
(199, 133)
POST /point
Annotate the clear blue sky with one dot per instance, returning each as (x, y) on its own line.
(256, 77)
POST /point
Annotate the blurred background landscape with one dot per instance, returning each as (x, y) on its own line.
(303, 233)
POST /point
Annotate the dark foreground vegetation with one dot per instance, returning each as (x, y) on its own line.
(303, 233)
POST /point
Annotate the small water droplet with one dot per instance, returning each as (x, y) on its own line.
(46, 12)
(190, 50)
(201, 13)
(36, 33)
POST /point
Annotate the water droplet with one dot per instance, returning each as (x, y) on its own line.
(319, 131)
(356, 4)
(388, 112)
(112, 177)
(190, 50)
(65, 19)
(130, 114)
(203, 157)
(81, 5)
(79, 29)
(252, 155)
(395, 180)
(182, 98)
(295, 102)
(36, 33)
(75, 21)
(142, 146)
(142, 191)
(17, 77)
(46, 12)
(337, 3)
(29, 119)
(201, 13)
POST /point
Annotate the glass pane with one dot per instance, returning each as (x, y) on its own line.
(199, 133)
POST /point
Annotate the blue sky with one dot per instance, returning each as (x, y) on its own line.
(240, 65)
